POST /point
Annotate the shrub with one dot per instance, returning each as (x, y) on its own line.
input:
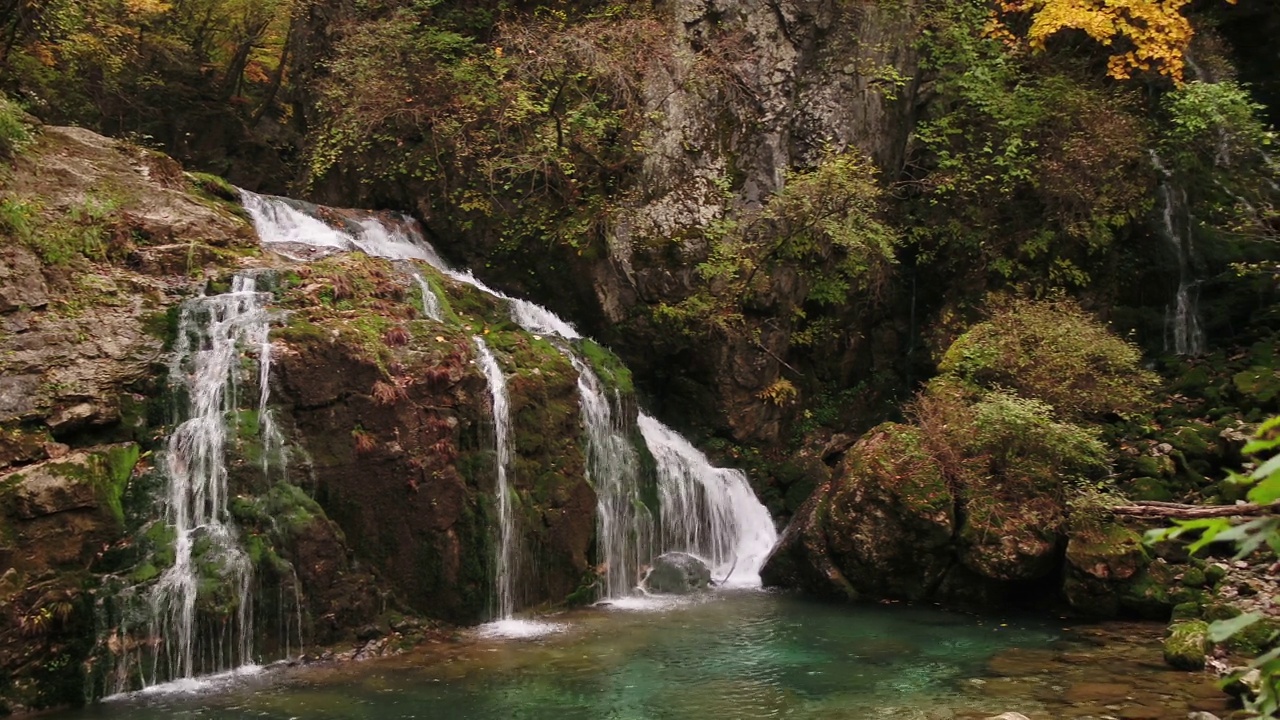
(13, 130)
(1054, 352)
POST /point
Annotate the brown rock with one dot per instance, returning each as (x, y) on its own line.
(1097, 692)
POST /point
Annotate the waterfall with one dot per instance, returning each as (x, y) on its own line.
(212, 331)
(708, 511)
(1182, 319)
(430, 302)
(624, 531)
(507, 557)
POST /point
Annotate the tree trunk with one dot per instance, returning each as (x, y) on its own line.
(1178, 511)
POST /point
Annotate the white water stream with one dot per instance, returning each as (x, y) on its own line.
(213, 333)
(1182, 319)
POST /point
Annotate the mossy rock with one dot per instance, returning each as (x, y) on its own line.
(891, 516)
(1186, 644)
(1214, 573)
(1148, 488)
(1259, 382)
(1255, 639)
(1187, 611)
(1193, 577)
(1107, 552)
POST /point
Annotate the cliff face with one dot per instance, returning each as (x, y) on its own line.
(796, 81)
(695, 123)
(373, 497)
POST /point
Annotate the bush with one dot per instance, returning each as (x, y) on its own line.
(14, 132)
(1054, 352)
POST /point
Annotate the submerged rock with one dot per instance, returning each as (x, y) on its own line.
(678, 573)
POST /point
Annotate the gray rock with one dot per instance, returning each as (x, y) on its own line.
(54, 487)
(1009, 716)
(21, 281)
(1201, 715)
(678, 573)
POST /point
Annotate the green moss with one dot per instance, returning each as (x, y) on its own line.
(1107, 551)
(301, 332)
(1186, 644)
(160, 538)
(607, 366)
(214, 186)
(1148, 488)
(1214, 573)
(1220, 611)
(1193, 577)
(1186, 611)
(144, 572)
(107, 471)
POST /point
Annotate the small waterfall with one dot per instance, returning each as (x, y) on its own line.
(508, 556)
(212, 332)
(430, 302)
(1182, 322)
(708, 511)
(624, 530)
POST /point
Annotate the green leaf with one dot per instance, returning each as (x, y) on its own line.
(1267, 469)
(1267, 491)
(1220, 630)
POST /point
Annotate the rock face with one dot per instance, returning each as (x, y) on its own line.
(412, 487)
(811, 75)
(379, 501)
(678, 573)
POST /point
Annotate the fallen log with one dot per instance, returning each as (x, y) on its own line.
(1179, 511)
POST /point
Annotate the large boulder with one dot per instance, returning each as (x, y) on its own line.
(885, 524)
(678, 573)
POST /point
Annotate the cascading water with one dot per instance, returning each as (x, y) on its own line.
(507, 556)
(1182, 322)
(708, 511)
(430, 302)
(624, 530)
(212, 332)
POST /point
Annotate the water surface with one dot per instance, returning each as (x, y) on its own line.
(745, 654)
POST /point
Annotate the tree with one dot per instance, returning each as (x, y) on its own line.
(1143, 35)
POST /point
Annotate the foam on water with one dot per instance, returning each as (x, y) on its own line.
(515, 629)
(217, 682)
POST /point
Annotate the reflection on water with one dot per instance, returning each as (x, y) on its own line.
(731, 655)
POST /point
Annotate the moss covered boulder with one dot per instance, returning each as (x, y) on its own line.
(1186, 644)
(886, 522)
(1104, 563)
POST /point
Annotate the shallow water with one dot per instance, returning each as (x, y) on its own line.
(745, 654)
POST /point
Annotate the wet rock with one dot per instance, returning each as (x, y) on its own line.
(1009, 716)
(678, 573)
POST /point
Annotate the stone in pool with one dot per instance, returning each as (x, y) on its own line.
(678, 573)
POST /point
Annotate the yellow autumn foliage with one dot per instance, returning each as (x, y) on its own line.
(1144, 35)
